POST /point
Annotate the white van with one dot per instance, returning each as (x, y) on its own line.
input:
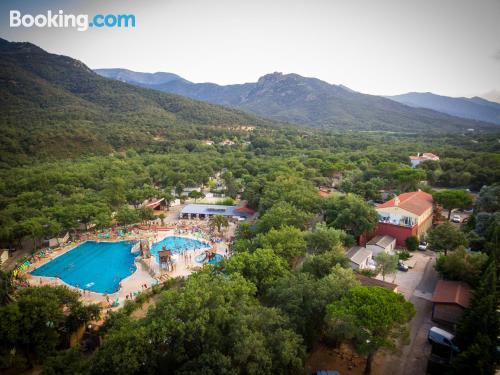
(441, 337)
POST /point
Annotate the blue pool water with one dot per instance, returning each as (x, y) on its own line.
(216, 259)
(95, 266)
(177, 244)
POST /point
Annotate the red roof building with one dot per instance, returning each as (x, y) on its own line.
(405, 215)
(449, 301)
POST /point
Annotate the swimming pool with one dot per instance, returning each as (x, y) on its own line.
(177, 244)
(95, 266)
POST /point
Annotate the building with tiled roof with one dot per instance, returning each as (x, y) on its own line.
(381, 244)
(405, 215)
(417, 159)
(449, 301)
(359, 257)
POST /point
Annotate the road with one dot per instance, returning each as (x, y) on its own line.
(412, 360)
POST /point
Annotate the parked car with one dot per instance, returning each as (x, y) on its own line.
(441, 337)
(456, 219)
(402, 266)
(422, 246)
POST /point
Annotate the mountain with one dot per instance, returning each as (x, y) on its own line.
(130, 76)
(54, 106)
(310, 101)
(475, 108)
(492, 96)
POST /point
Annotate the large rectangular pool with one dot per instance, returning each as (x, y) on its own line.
(95, 266)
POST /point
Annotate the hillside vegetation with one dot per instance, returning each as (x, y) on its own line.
(55, 106)
(310, 101)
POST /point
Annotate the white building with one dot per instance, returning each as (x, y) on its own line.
(381, 244)
(416, 160)
(359, 257)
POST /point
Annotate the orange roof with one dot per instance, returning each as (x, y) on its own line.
(416, 202)
(245, 209)
(430, 155)
(324, 193)
(456, 292)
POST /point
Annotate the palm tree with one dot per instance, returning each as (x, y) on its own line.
(218, 221)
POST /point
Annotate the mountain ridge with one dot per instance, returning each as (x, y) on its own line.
(475, 108)
(311, 101)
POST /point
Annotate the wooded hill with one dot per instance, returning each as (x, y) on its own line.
(53, 106)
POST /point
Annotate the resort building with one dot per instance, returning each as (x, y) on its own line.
(381, 244)
(449, 301)
(405, 215)
(417, 159)
(359, 257)
(204, 211)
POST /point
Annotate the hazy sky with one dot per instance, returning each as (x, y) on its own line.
(450, 47)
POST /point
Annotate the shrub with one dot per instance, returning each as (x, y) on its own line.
(404, 255)
(412, 243)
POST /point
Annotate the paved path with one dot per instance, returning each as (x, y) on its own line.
(412, 360)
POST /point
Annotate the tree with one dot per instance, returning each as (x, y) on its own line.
(370, 318)
(386, 263)
(126, 216)
(322, 264)
(412, 243)
(451, 199)
(218, 221)
(350, 213)
(67, 362)
(304, 298)
(33, 227)
(40, 317)
(478, 329)
(287, 242)
(168, 197)
(446, 237)
(103, 219)
(194, 194)
(213, 325)
(408, 178)
(282, 214)
(462, 265)
(145, 214)
(323, 238)
(162, 218)
(291, 189)
(489, 199)
(262, 267)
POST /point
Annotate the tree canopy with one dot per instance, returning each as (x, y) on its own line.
(371, 318)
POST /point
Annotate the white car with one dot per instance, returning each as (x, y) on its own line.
(422, 246)
(440, 336)
(456, 219)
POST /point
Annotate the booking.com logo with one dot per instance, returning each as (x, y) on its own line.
(78, 21)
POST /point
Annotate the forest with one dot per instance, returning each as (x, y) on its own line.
(257, 312)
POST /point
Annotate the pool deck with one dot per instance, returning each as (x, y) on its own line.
(133, 283)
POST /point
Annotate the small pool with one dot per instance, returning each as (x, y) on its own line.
(177, 244)
(216, 259)
(202, 257)
(95, 266)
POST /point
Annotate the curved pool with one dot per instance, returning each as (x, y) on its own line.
(177, 244)
(95, 266)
